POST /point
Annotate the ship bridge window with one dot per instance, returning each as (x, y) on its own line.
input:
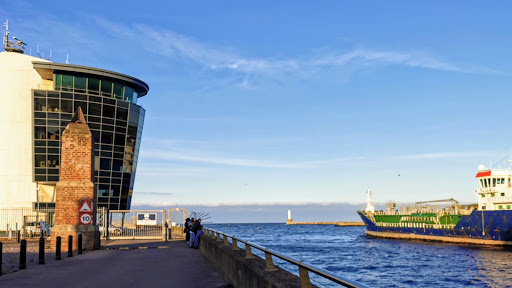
(502, 194)
(483, 207)
(481, 183)
(493, 182)
(508, 206)
(500, 207)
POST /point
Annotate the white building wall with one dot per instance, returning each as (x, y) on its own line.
(17, 78)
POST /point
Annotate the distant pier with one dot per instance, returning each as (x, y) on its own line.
(337, 223)
(289, 221)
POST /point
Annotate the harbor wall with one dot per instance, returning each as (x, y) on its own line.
(338, 223)
(242, 272)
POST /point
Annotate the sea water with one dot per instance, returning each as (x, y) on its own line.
(378, 262)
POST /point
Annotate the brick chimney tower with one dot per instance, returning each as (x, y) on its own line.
(76, 187)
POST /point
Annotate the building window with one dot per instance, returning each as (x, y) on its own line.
(483, 207)
(483, 195)
(493, 182)
(500, 207)
(80, 84)
(106, 87)
(502, 194)
(508, 206)
(492, 194)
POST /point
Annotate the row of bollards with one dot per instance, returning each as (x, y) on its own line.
(23, 250)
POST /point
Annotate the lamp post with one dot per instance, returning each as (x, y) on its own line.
(37, 195)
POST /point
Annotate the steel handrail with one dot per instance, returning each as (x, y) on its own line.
(301, 264)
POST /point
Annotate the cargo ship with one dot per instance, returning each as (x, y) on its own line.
(489, 222)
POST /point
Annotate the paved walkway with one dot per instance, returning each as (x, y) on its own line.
(122, 264)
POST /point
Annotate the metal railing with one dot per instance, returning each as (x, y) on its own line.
(304, 267)
(24, 220)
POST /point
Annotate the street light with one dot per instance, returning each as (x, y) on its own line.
(37, 193)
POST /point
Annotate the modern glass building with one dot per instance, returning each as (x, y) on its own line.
(55, 91)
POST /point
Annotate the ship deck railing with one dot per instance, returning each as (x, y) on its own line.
(304, 267)
(415, 225)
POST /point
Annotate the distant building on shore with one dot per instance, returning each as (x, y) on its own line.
(39, 98)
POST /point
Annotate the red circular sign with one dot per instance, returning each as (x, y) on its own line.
(86, 219)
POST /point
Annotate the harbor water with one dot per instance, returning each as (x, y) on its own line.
(379, 262)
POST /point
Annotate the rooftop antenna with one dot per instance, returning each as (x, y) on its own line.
(11, 46)
(38, 51)
(67, 58)
(50, 55)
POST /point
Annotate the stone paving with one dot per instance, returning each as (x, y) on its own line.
(124, 263)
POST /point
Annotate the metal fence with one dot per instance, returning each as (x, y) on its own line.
(122, 224)
(136, 224)
(176, 222)
(25, 220)
(304, 268)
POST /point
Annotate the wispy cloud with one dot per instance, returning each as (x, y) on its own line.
(177, 46)
(155, 193)
(209, 159)
(441, 155)
(170, 171)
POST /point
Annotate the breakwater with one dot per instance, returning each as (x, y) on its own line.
(336, 223)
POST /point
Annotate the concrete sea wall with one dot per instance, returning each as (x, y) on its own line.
(242, 272)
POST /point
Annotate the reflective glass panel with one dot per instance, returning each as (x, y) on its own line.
(93, 85)
(66, 105)
(80, 83)
(39, 104)
(128, 94)
(67, 82)
(106, 87)
(118, 91)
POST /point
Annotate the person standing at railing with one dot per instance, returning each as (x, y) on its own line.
(199, 231)
(192, 233)
(186, 230)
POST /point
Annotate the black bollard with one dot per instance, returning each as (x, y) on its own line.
(18, 236)
(0, 258)
(70, 246)
(23, 254)
(79, 243)
(41, 250)
(57, 248)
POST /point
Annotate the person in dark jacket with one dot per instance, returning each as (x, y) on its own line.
(199, 232)
(192, 233)
(187, 229)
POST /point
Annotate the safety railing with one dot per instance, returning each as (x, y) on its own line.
(304, 267)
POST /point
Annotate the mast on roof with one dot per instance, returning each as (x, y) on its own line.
(11, 46)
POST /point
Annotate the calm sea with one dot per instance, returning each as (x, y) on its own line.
(379, 262)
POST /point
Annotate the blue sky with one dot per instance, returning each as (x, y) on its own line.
(298, 102)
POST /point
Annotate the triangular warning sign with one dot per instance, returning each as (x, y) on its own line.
(85, 207)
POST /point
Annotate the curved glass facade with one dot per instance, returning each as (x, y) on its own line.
(115, 122)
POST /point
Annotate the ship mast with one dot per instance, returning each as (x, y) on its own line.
(369, 206)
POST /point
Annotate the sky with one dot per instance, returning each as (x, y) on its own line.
(295, 103)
